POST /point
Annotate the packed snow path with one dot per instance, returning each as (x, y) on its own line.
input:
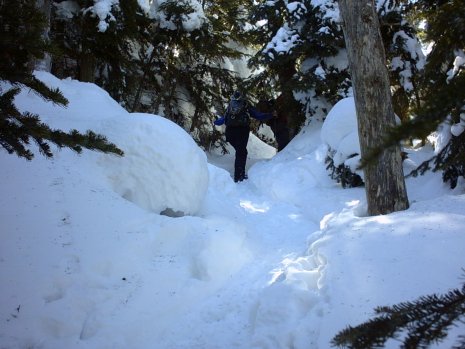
(269, 301)
(235, 311)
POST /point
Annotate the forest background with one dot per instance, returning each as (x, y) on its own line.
(183, 59)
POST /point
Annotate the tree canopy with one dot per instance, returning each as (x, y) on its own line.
(183, 59)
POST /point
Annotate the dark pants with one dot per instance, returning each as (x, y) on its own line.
(238, 137)
(282, 138)
(281, 133)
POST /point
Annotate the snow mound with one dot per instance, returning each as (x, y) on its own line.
(163, 170)
(156, 173)
(305, 156)
(340, 132)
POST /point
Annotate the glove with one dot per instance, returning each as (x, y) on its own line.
(219, 122)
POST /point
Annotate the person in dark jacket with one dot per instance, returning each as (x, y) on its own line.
(237, 120)
(279, 122)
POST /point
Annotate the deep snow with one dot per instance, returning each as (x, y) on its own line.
(283, 260)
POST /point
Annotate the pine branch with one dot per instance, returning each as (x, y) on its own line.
(460, 343)
(16, 131)
(48, 94)
(423, 322)
(424, 166)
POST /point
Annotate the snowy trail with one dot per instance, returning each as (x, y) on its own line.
(288, 304)
(281, 296)
(263, 304)
(234, 316)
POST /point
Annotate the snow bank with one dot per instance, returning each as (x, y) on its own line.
(81, 266)
(340, 133)
(306, 161)
(390, 259)
(163, 170)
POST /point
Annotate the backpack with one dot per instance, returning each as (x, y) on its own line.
(237, 113)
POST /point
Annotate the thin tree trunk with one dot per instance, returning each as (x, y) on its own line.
(87, 67)
(145, 72)
(384, 178)
(45, 64)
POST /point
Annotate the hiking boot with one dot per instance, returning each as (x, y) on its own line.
(237, 175)
(241, 177)
(238, 179)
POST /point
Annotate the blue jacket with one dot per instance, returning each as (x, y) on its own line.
(253, 113)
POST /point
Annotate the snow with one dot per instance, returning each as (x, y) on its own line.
(330, 9)
(283, 260)
(320, 72)
(296, 9)
(189, 22)
(459, 63)
(294, 6)
(283, 42)
(102, 9)
(340, 133)
(413, 47)
(441, 137)
(459, 127)
(144, 5)
(150, 172)
(66, 9)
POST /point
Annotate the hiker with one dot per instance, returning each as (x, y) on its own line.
(279, 122)
(237, 121)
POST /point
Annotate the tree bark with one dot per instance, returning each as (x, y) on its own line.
(45, 64)
(384, 177)
(87, 67)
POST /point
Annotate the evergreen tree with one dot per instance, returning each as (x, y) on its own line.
(304, 48)
(303, 51)
(404, 56)
(418, 324)
(100, 46)
(171, 58)
(342, 173)
(442, 88)
(21, 43)
(300, 43)
(185, 76)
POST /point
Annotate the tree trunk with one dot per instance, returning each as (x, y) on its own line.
(384, 177)
(145, 72)
(45, 64)
(87, 67)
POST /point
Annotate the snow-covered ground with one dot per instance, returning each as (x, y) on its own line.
(284, 260)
